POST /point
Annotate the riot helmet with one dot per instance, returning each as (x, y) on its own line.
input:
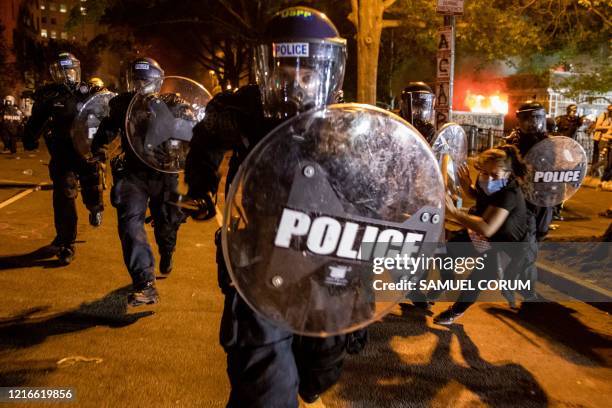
(300, 63)
(144, 76)
(531, 117)
(66, 69)
(417, 103)
(9, 100)
(95, 84)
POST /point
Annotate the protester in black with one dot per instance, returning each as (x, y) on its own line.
(500, 215)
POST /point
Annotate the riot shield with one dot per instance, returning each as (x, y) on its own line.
(159, 125)
(557, 166)
(85, 124)
(450, 148)
(317, 203)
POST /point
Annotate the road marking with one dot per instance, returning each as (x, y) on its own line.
(16, 197)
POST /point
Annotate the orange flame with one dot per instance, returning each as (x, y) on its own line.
(497, 103)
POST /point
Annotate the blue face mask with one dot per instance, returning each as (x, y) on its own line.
(492, 186)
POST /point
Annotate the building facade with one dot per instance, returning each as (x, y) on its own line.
(546, 90)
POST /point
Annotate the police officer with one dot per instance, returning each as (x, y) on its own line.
(300, 66)
(531, 130)
(55, 107)
(136, 187)
(417, 107)
(96, 85)
(11, 123)
(568, 124)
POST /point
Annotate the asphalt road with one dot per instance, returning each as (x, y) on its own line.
(168, 354)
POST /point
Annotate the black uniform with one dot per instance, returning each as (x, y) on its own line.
(568, 125)
(266, 364)
(542, 216)
(55, 107)
(11, 126)
(137, 187)
(427, 130)
(538, 218)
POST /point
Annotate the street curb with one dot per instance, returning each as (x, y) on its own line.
(574, 287)
(25, 184)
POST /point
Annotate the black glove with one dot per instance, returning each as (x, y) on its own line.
(200, 209)
(206, 209)
(100, 156)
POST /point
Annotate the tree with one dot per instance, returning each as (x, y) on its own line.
(588, 87)
(487, 32)
(531, 36)
(217, 34)
(367, 17)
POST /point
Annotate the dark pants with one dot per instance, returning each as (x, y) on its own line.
(131, 195)
(65, 175)
(9, 139)
(268, 366)
(489, 272)
(607, 174)
(520, 266)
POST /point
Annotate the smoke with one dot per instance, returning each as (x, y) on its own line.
(471, 79)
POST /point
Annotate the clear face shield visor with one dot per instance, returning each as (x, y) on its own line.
(143, 83)
(532, 121)
(298, 76)
(417, 107)
(66, 71)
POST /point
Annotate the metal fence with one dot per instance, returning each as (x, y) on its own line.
(480, 140)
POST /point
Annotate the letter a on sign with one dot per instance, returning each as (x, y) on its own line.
(445, 38)
(442, 89)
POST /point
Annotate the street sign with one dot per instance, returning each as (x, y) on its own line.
(444, 65)
(442, 94)
(444, 74)
(479, 120)
(444, 57)
(450, 7)
(445, 38)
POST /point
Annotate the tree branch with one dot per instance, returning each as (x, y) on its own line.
(387, 4)
(234, 13)
(603, 17)
(391, 23)
(353, 16)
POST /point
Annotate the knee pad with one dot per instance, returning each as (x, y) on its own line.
(70, 186)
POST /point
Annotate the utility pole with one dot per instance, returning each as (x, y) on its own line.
(445, 69)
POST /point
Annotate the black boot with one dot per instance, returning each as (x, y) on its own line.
(165, 263)
(65, 254)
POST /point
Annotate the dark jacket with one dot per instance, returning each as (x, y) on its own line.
(55, 107)
(541, 217)
(234, 121)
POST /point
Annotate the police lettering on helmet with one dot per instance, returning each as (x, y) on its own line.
(66, 69)
(144, 76)
(300, 64)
